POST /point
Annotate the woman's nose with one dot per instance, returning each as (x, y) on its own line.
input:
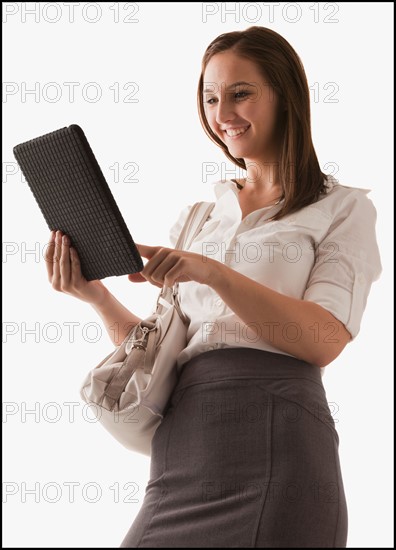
(224, 112)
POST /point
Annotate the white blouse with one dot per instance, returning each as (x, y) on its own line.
(281, 255)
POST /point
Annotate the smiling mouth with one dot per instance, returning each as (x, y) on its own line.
(237, 132)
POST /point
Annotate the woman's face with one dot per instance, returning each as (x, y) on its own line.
(250, 108)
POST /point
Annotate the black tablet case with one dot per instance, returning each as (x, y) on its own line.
(73, 195)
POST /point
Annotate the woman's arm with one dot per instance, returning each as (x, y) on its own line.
(299, 327)
(117, 319)
(64, 274)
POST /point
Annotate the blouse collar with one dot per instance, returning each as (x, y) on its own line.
(224, 186)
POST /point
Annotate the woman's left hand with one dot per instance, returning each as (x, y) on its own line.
(166, 266)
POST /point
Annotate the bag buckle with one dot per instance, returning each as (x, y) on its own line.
(141, 342)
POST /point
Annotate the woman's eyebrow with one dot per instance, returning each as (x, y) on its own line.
(208, 90)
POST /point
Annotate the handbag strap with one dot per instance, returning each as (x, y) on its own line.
(143, 357)
(195, 220)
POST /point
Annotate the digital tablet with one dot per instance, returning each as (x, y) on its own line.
(74, 197)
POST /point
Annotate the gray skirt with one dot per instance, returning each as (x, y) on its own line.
(245, 457)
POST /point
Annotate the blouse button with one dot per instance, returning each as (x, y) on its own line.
(247, 221)
(219, 302)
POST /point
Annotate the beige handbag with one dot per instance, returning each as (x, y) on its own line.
(131, 387)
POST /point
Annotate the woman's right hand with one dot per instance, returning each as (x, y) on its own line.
(64, 271)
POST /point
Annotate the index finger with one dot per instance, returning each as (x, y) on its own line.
(147, 251)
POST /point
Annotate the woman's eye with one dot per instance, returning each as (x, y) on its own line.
(244, 94)
(237, 95)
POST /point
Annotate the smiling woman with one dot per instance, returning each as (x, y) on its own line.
(253, 102)
(275, 287)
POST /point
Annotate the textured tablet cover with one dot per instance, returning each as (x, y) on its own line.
(73, 195)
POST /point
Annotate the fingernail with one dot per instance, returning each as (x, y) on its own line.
(65, 239)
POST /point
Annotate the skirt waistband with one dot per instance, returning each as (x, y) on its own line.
(225, 363)
(283, 376)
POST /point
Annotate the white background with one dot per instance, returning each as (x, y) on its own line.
(161, 52)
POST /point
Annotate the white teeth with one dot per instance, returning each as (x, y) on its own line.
(237, 131)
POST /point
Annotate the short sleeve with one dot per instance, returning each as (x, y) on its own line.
(347, 262)
(176, 228)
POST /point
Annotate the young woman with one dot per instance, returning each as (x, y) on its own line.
(275, 286)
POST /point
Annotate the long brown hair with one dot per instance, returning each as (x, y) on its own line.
(300, 175)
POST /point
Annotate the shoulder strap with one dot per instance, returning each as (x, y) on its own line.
(196, 218)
